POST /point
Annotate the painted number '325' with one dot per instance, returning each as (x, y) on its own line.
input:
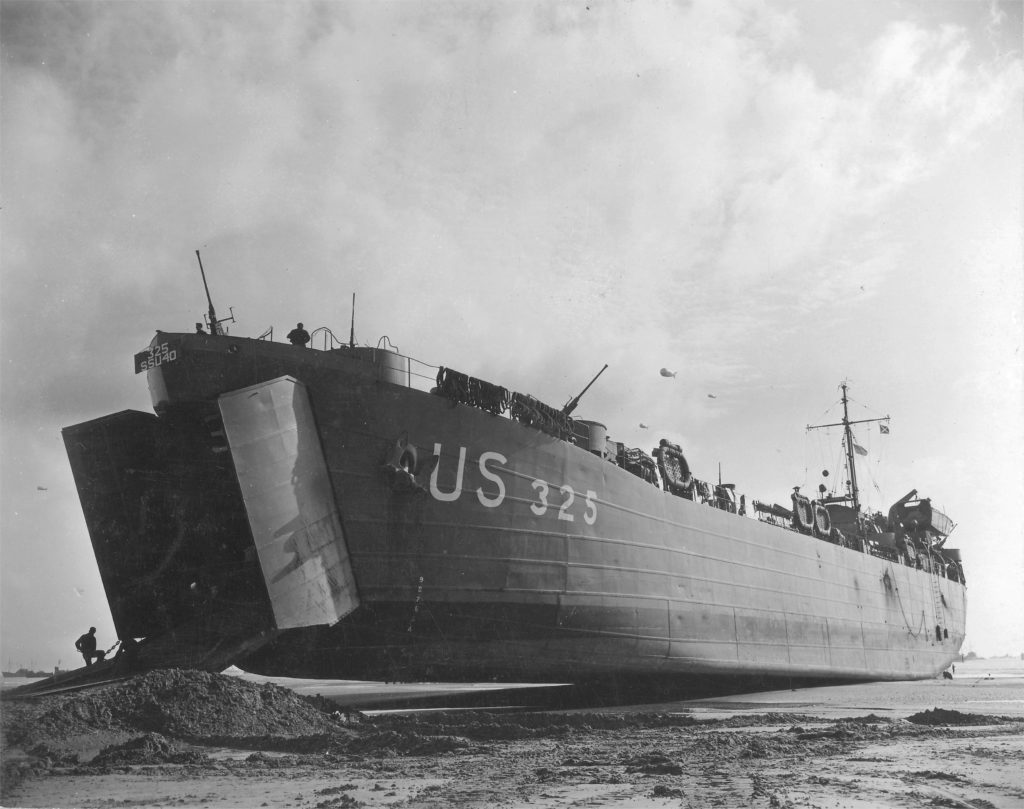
(155, 356)
(562, 500)
(568, 494)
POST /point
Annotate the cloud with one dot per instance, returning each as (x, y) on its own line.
(520, 191)
(630, 161)
(592, 169)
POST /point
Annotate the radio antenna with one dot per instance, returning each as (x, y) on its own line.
(352, 330)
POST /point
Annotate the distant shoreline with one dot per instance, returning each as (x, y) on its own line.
(29, 674)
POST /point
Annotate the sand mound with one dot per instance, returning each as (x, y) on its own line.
(177, 703)
(941, 716)
(150, 748)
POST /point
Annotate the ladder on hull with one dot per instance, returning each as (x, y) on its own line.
(937, 602)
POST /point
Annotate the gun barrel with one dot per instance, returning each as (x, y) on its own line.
(574, 402)
(214, 328)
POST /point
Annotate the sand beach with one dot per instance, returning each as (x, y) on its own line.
(170, 739)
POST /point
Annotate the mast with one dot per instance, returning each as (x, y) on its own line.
(851, 467)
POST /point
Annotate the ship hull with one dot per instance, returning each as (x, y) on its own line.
(480, 547)
(657, 584)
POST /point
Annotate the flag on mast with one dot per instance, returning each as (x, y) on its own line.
(883, 429)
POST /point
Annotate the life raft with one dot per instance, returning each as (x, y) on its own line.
(822, 520)
(803, 514)
(675, 471)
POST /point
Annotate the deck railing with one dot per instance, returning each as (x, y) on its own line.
(330, 342)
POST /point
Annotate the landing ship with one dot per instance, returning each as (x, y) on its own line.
(349, 512)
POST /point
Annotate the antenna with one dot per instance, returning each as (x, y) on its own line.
(352, 330)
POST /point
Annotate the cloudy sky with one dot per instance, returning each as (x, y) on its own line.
(766, 197)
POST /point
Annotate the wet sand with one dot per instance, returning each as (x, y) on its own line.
(849, 747)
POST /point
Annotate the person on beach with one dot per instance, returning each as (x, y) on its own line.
(127, 657)
(87, 646)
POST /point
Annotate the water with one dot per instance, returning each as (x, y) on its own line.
(994, 668)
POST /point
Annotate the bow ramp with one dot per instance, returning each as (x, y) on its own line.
(288, 498)
(214, 524)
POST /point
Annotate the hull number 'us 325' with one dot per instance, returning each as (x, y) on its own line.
(155, 356)
(559, 500)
